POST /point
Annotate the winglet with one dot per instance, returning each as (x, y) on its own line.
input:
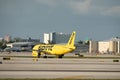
(72, 39)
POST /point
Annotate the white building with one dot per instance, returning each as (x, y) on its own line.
(46, 38)
(103, 46)
(108, 46)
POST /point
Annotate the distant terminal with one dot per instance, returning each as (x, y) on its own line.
(111, 46)
(19, 46)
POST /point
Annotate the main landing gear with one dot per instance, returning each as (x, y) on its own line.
(60, 56)
(39, 55)
(45, 56)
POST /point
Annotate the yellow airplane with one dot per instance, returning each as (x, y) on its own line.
(54, 49)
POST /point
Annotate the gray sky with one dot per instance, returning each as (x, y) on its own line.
(96, 19)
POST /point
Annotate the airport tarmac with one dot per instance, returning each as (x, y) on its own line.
(18, 67)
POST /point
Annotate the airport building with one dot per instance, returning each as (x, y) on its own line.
(20, 46)
(81, 48)
(111, 46)
(93, 46)
(54, 38)
(46, 38)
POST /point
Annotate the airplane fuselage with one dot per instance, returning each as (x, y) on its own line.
(52, 49)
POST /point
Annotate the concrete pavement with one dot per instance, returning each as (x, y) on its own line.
(60, 68)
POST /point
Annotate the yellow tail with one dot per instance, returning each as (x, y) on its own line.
(72, 39)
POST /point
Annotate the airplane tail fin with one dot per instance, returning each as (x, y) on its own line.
(72, 39)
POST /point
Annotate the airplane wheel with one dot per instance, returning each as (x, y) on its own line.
(60, 56)
(45, 57)
(39, 55)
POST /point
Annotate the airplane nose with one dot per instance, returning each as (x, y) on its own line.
(34, 54)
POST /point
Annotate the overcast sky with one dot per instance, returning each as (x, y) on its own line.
(96, 19)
